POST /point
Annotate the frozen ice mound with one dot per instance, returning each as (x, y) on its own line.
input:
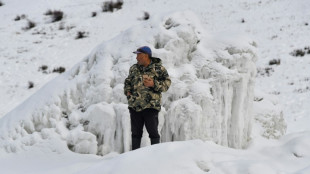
(85, 110)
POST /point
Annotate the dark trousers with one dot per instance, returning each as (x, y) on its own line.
(147, 117)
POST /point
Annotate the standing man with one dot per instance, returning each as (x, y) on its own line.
(146, 81)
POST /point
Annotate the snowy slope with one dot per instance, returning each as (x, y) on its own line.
(278, 27)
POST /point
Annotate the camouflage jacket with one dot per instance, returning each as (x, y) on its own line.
(143, 97)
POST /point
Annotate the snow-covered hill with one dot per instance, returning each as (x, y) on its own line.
(281, 89)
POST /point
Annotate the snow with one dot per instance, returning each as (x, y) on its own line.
(211, 56)
(222, 114)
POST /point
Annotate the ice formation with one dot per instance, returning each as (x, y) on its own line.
(85, 110)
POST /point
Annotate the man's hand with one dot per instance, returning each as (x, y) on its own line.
(128, 94)
(148, 82)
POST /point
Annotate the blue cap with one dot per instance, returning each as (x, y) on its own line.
(145, 50)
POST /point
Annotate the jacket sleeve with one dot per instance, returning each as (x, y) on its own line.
(127, 83)
(162, 82)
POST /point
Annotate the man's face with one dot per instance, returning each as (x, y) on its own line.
(142, 59)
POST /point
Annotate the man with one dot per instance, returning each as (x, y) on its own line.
(146, 81)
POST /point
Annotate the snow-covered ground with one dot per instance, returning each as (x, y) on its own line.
(278, 27)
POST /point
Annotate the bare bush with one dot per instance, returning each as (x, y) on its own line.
(146, 16)
(57, 15)
(93, 14)
(300, 52)
(275, 62)
(118, 5)
(109, 6)
(265, 71)
(43, 68)
(59, 70)
(30, 24)
(307, 50)
(1, 3)
(302, 90)
(81, 34)
(30, 85)
(17, 18)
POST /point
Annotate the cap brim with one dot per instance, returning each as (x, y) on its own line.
(137, 52)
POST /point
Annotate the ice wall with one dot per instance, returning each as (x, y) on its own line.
(213, 94)
(84, 109)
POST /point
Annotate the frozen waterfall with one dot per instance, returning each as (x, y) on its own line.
(210, 98)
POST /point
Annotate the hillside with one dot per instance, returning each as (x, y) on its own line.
(31, 58)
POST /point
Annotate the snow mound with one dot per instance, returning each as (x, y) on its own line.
(210, 98)
(184, 157)
(269, 115)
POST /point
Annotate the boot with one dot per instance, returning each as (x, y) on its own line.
(154, 141)
(135, 143)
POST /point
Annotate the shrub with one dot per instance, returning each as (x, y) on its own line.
(59, 70)
(17, 18)
(43, 67)
(307, 50)
(274, 62)
(265, 71)
(258, 99)
(300, 52)
(109, 6)
(268, 70)
(146, 16)
(93, 14)
(306, 24)
(30, 85)
(56, 15)
(302, 90)
(118, 5)
(80, 35)
(1, 3)
(242, 20)
(30, 24)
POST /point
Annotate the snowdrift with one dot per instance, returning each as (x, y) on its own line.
(85, 110)
(288, 155)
